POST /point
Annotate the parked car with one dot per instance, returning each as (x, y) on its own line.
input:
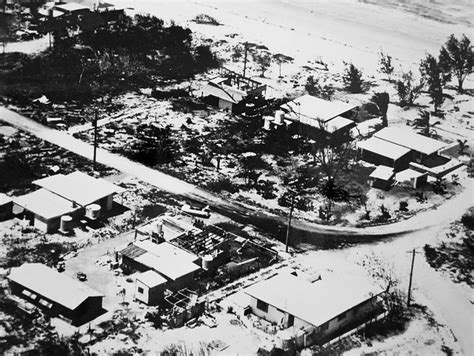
(203, 212)
(81, 276)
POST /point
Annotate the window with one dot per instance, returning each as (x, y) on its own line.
(140, 290)
(341, 316)
(262, 305)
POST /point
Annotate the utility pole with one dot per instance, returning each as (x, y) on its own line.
(95, 139)
(245, 57)
(413, 252)
(289, 221)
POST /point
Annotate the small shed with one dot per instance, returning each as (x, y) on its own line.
(382, 177)
(150, 287)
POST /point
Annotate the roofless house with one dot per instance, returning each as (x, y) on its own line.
(228, 90)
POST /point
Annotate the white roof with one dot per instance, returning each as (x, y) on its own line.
(337, 123)
(224, 92)
(315, 303)
(383, 148)
(151, 279)
(45, 204)
(5, 199)
(167, 259)
(382, 172)
(409, 139)
(71, 6)
(407, 175)
(52, 285)
(79, 187)
(311, 110)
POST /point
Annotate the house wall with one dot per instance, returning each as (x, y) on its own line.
(86, 311)
(129, 265)
(6, 211)
(275, 315)
(45, 225)
(149, 296)
(225, 105)
(374, 158)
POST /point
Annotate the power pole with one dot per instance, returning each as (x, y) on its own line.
(413, 252)
(245, 57)
(289, 221)
(95, 139)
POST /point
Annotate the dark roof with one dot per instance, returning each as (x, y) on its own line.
(133, 251)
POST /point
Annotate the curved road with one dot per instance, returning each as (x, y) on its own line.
(301, 230)
(440, 295)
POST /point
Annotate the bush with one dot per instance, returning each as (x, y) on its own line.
(266, 188)
(352, 78)
(468, 220)
(204, 19)
(224, 184)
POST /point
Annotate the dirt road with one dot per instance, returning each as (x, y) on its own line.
(301, 231)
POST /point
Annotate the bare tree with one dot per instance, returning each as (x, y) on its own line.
(385, 63)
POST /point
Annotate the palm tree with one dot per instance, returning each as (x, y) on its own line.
(462, 146)
(423, 123)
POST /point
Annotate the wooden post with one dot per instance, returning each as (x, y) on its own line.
(245, 58)
(95, 140)
(289, 222)
(411, 277)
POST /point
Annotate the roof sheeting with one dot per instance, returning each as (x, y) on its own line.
(151, 279)
(79, 187)
(71, 7)
(167, 259)
(311, 110)
(45, 204)
(337, 124)
(409, 139)
(315, 303)
(5, 199)
(382, 172)
(383, 148)
(223, 92)
(52, 285)
(407, 175)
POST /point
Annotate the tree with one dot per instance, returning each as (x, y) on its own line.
(457, 58)
(352, 78)
(154, 145)
(281, 59)
(331, 159)
(313, 87)
(436, 78)
(333, 193)
(385, 63)
(462, 145)
(382, 100)
(423, 122)
(263, 60)
(407, 90)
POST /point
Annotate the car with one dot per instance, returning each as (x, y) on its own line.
(81, 276)
(202, 212)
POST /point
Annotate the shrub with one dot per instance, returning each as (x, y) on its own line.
(204, 19)
(223, 184)
(407, 90)
(468, 220)
(352, 78)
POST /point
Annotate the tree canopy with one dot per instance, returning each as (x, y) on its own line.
(456, 57)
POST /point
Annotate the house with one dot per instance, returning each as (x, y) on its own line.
(175, 264)
(382, 177)
(330, 120)
(72, 8)
(43, 209)
(229, 89)
(55, 293)
(421, 147)
(81, 189)
(378, 151)
(150, 287)
(329, 306)
(402, 149)
(6, 206)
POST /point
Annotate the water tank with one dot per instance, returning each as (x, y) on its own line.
(266, 123)
(159, 227)
(93, 211)
(66, 223)
(207, 262)
(279, 117)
